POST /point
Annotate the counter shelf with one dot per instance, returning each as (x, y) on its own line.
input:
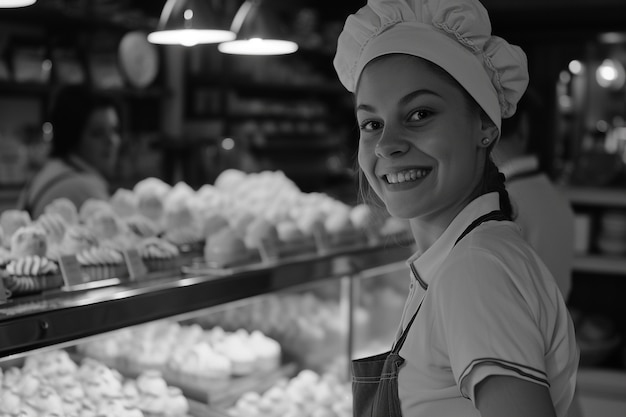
(36, 322)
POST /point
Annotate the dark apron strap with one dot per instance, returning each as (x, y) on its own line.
(494, 215)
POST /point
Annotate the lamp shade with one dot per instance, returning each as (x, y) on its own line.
(6, 4)
(188, 23)
(257, 32)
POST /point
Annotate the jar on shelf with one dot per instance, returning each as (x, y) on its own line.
(612, 233)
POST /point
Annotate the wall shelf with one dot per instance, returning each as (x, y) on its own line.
(611, 265)
(593, 196)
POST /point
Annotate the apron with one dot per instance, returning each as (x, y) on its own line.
(375, 378)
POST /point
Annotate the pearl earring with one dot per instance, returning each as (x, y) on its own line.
(485, 141)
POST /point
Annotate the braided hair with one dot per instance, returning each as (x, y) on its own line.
(494, 180)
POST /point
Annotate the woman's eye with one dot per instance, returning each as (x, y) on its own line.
(419, 115)
(370, 125)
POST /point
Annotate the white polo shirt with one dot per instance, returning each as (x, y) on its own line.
(491, 308)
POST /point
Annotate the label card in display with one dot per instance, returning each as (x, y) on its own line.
(70, 270)
(137, 270)
(4, 293)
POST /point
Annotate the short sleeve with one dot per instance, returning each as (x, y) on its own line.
(486, 322)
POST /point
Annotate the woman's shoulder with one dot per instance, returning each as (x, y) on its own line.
(496, 257)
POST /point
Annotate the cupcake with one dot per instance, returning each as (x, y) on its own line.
(226, 248)
(77, 239)
(241, 355)
(268, 350)
(212, 223)
(29, 241)
(29, 270)
(91, 207)
(102, 262)
(11, 220)
(201, 360)
(176, 405)
(10, 400)
(46, 400)
(54, 225)
(151, 206)
(262, 235)
(104, 224)
(124, 202)
(141, 226)
(158, 254)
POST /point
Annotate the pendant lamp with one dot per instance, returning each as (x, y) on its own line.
(188, 23)
(9, 4)
(256, 28)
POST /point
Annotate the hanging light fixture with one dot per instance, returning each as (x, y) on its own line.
(188, 23)
(9, 4)
(256, 33)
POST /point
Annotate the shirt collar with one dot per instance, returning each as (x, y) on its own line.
(425, 263)
(519, 165)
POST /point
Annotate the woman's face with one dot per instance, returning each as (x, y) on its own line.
(100, 140)
(420, 138)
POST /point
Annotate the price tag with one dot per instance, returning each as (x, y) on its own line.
(4, 293)
(136, 268)
(268, 251)
(322, 240)
(70, 270)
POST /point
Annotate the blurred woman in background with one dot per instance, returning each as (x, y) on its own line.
(86, 139)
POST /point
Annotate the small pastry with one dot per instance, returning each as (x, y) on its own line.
(225, 248)
(10, 401)
(176, 404)
(11, 220)
(158, 254)
(29, 241)
(101, 262)
(65, 208)
(141, 226)
(151, 382)
(54, 226)
(124, 202)
(261, 232)
(31, 274)
(150, 206)
(212, 223)
(92, 206)
(77, 239)
(104, 224)
(229, 179)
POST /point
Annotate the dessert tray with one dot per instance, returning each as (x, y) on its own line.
(218, 392)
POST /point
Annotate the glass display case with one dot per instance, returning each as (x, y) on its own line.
(258, 338)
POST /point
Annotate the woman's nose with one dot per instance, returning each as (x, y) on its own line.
(391, 145)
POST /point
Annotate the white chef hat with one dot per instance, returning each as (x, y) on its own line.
(453, 34)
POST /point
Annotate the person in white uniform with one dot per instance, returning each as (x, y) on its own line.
(485, 330)
(544, 214)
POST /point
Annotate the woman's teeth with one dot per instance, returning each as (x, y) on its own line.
(405, 176)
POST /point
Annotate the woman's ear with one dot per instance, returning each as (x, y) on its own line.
(489, 131)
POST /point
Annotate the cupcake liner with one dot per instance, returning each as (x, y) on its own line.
(100, 272)
(23, 285)
(164, 264)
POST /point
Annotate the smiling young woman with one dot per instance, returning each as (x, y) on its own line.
(485, 330)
